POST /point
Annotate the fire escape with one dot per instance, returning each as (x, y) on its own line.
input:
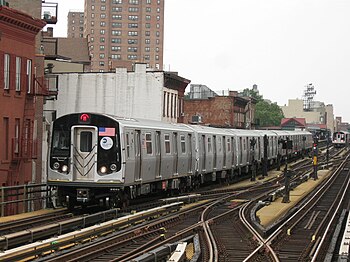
(25, 143)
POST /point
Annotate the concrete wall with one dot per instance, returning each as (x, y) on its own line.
(136, 94)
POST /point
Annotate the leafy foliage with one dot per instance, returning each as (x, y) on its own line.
(266, 113)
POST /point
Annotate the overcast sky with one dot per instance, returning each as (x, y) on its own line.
(280, 45)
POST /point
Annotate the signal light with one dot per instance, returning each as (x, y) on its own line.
(84, 118)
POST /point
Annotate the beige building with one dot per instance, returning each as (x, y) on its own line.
(75, 25)
(123, 32)
(320, 113)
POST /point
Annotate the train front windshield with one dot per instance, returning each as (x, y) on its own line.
(60, 143)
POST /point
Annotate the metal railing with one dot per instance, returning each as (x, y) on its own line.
(22, 198)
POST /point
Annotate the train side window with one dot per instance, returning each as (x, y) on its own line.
(220, 143)
(228, 145)
(183, 144)
(149, 143)
(209, 144)
(127, 137)
(167, 143)
(85, 141)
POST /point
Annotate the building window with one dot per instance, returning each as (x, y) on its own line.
(133, 25)
(116, 17)
(117, 57)
(102, 31)
(92, 31)
(102, 63)
(102, 56)
(17, 126)
(148, 2)
(148, 17)
(116, 9)
(147, 57)
(148, 9)
(102, 39)
(117, 25)
(132, 41)
(133, 9)
(158, 17)
(147, 49)
(158, 10)
(116, 40)
(148, 41)
(102, 23)
(158, 2)
(132, 49)
(103, 16)
(132, 57)
(147, 33)
(133, 17)
(158, 25)
(157, 49)
(116, 48)
(6, 138)
(92, 7)
(7, 71)
(92, 15)
(157, 34)
(103, 8)
(101, 70)
(29, 76)
(18, 73)
(157, 41)
(149, 143)
(116, 32)
(92, 39)
(102, 47)
(134, 2)
(132, 33)
(148, 25)
(157, 57)
(117, 1)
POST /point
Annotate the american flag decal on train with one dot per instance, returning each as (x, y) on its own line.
(106, 131)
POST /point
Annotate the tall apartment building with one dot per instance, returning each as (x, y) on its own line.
(75, 24)
(122, 32)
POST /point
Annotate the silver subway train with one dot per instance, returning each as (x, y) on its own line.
(103, 158)
(341, 138)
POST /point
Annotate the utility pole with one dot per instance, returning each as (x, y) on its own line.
(287, 144)
(315, 153)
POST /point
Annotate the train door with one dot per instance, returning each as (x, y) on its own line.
(189, 143)
(214, 152)
(176, 154)
(224, 151)
(138, 162)
(204, 153)
(84, 153)
(158, 155)
(233, 150)
(240, 150)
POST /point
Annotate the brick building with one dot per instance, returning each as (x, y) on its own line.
(18, 103)
(75, 24)
(230, 111)
(121, 33)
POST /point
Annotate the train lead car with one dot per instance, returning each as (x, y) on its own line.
(96, 158)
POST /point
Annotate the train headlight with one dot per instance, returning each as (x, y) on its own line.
(64, 168)
(103, 169)
(56, 165)
(113, 167)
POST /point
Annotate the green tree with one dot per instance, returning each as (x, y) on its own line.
(266, 113)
